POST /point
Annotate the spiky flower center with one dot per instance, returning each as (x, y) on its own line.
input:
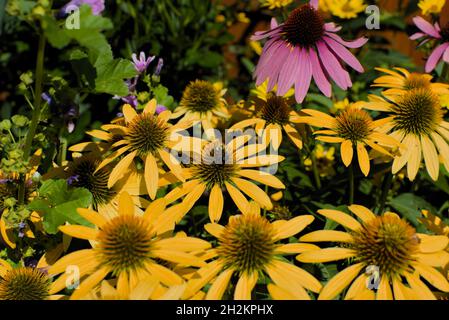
(83, 169)
(200, 96)
(303, 27)
(417, 112)
(25, 284)
(445, 33)
(147, 134)
(214, 166)
(125, 243)
(416, 81)
(275, 110)
(386, 242)
(354, 124)
(247, 243)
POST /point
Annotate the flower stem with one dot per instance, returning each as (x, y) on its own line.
(37, 108)
(351, 184)
(386, 186)
(316, 174)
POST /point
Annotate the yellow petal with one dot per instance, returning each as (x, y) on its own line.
(279, 293)
(347, 152)
(216, 203)
(362, 213)
(202, 277)
(363, 157)
(238, 198)
(92, 216)
(220, 285)
(326, 255)
(415, 158)
(125, 204)
(342, 218)
(429, 244)
(178, 257)
(340, 282)
(430, 157)
(434, 277)
(129, 113)
(182, 244)
(89, 283)
(292, 248)
(80, 232)
(154, 210)
(151, 175)
(293, 226)
(327, 236)
(262, 177)
(245, 286)
(214, 229)
(165, 275)
(254, 192)
(120, 168)
(384, 291)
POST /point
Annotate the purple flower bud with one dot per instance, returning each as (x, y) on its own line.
(72, 179)
(141, 64)
(22, 225)
(46, 97)
(160, 108)
(96, 5)
(160, 64)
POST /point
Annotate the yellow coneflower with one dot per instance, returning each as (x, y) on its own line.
(431, 6)
(129, 246)
(354, 129)
(228, 167)
(416, 120)
(149, 289)
(386, 242)
(271, 117)
(203, 101)
(24, 283)
(146, 136)
(249, 247)
(82, 173)
(275, 4)
(397, 82)
(345, 9)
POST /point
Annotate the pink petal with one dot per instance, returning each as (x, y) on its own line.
(314, 3)
(344, 54)
(287, 74)
(259, 35)
(332, 66)
(426, 27)
(435, 57)
(350, 44)
(265, 64)
(274, 23)
(304, 77)
(331, 27)
(417, 35)
(318, 74)
(277, 65)
(446, 55)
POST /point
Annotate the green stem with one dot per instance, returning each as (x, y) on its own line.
(351, 184)
(63, 150)
(37, 108)
(316, 174)
(386, 186)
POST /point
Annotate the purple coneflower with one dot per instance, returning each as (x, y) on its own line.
(160, 108)
(302, 47)
(142, 63)
(430, 32)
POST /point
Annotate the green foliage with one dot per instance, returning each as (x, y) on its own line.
(59, 202)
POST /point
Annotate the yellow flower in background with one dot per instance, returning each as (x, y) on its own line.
(355, 130)
(24, 283)
(388, 247)
(275, 4)
(262, 92)
(396, 82)
(249, 248)
(344, 9)
(416, 120)
(325, 158)
(242, 17)
(150, 289)
(130, 246)
(272, 116)
(256, 46)
(147, 137)
(431, 6)
(203, 101)
(340, 105)
(234, 167)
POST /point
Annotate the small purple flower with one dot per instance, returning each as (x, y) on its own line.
(5, 181)
(31, 262)
(142, 63)
(72, 179)
(160, 108)
(160, 64)
(47, 98)
(22, 226)
(96, 5)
